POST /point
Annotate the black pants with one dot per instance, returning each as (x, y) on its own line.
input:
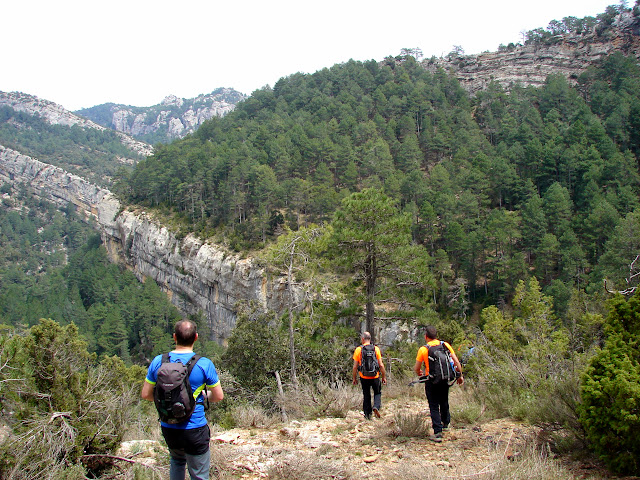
(438, 398)
(194, 441)
(367, 385)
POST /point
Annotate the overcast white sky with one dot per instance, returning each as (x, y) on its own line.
(81, 53)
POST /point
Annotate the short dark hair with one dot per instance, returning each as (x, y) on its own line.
(186, 333)
(431, 332)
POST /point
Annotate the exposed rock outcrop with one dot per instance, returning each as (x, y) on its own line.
(173, 118)
(568, 55)
(198, 276)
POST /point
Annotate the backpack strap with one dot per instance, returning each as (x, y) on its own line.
(190, 365)
(165, 358)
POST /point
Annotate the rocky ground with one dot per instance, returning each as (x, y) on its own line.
(352, 447)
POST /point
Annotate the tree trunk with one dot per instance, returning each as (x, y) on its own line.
(292, 350)
(370, 273)
(281, 392)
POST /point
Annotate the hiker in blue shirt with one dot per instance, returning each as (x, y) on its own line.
(188, 441)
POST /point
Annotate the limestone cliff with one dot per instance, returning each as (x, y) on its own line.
(198, 276)
(568, 55)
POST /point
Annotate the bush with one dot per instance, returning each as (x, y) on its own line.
(610, 412)
(65, 406)
(465, 408)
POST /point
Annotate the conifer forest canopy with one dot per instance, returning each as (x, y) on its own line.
(499, 186)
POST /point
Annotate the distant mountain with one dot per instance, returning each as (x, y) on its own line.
(173, 118)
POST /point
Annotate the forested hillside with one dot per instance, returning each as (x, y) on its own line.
(499, 187)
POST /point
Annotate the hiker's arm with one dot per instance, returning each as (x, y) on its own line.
(458, 366)
(355, 372)
(215, 394)
(418, 368)
(383, 373)
(147, 391)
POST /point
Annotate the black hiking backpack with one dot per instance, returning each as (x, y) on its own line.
(173, 395)
(441, 366)
(369, 366)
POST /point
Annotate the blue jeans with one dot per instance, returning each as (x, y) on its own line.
(188, 448)
(369, 384)
(438, 398)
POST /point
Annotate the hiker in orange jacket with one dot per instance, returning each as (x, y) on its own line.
(368, 380)
(437, 393)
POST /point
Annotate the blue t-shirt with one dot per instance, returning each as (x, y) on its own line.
(203, 372)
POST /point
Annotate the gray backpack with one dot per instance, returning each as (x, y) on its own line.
(173, 396)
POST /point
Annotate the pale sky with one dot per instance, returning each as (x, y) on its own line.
(81, 53)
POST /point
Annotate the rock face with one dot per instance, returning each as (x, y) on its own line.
(197, 276)
(569, 55)
(57, 115)
(173, 118)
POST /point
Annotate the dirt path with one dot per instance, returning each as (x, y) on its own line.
(369, 449)
(355, 448)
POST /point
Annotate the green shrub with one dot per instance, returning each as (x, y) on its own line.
(610, 412)
(65, 406)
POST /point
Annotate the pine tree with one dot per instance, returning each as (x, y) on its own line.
(610, 410)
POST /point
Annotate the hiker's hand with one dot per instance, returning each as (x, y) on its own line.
(460, 380)
(384, 381)
(355, 381)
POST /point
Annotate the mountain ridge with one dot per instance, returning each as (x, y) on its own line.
(172, 118)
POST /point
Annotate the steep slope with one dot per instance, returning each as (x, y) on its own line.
(44, 130)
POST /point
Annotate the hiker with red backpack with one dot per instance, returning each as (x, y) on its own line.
(367, 363)
(179, 383)
(441, 370)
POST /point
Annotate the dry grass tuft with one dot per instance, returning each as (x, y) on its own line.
(307, 467)
(398, 387)
(222, 462)
(409, 424)
(321, 399)
(245, 416)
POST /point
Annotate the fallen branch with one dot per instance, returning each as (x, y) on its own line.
(123, 459)
(481, 472)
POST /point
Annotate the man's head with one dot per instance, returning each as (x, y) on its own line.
(430, 333)
(185, 333)
(366, 337)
